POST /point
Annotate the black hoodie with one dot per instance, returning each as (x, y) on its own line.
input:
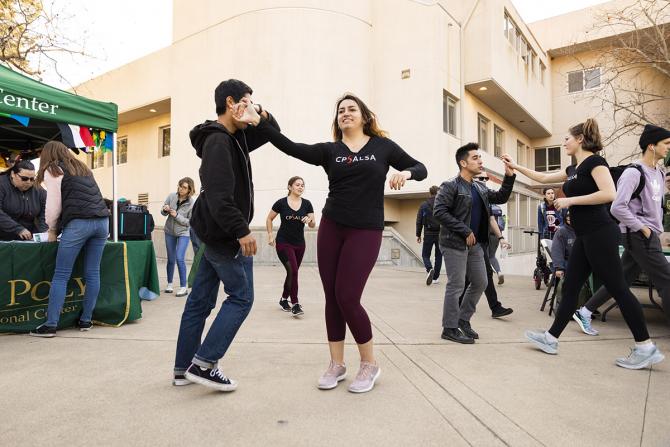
(225, 206)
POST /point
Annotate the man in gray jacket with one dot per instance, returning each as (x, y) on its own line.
(462, 208)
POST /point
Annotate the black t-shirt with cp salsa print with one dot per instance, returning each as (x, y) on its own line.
(580, 182)
(356, 180)
(292, 230)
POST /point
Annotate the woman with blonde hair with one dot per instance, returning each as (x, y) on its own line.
(178, 207)
(75, 207)
(588, 188)
(350, 232)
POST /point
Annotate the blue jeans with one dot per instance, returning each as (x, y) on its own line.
(430, 241)
(89, 235)
(237, 276)
(176, 251)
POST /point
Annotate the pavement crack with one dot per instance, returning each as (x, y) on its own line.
(646, 400)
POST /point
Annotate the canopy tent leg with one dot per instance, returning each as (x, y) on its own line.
(115, 208)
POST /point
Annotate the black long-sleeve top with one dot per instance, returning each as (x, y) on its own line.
(20, 210)
(356, 180)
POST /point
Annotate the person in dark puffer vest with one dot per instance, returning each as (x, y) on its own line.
(75, 207)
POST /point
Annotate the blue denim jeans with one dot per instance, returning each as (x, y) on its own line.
(89, 235)
(237, 276)
(176, 251)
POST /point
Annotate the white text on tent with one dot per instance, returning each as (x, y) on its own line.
(24, 103)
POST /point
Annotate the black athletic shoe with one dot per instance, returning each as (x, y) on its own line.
(84, 325)
(457, 336)
(209, 377)
(465, 327)
(429, 277)
(501, 312)
(297, 310)
(285, 306)
(43, 331)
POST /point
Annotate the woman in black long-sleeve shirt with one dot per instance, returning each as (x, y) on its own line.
(350, 231)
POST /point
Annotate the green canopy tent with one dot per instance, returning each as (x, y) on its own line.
(32, 113)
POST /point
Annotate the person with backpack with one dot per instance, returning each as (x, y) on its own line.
(638, 208)
(431, 234)
(548, 217)
(588, 187)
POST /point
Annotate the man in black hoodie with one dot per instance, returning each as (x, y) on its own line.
(431, 234)
(220, 219)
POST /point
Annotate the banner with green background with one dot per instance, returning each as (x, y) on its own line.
(26, 270)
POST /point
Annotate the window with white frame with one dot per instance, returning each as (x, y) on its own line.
(483, 133)
(448, 113)
(548, 159)
(543, 69)
(498, 141)
(122, 150)
(521, 153)
(581, 80)
(164, 134)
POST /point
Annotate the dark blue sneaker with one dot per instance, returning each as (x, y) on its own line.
(43, 331)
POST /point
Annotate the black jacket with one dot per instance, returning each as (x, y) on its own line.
(20, 210)
(425, 220)
(453, 207)
(80, 198)
(225, 206)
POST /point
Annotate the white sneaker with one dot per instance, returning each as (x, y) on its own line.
(182, 292)
(436, 281)
(169, 289)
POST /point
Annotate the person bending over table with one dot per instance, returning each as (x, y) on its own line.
(22, 203)
(75, 206)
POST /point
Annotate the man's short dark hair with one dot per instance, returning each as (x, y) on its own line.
(433, 190)
(463, 152)
(23, 164)
(231, 87)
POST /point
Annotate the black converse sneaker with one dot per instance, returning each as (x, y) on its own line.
(84, 325)
(209, 377)
(43, 331)
(285, 306)
(297, 310)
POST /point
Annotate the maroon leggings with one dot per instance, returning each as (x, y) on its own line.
(346, 257)
(291, 257)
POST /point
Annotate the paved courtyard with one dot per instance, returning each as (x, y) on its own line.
(112, 386)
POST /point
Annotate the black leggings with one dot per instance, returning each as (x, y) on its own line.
(598, 252)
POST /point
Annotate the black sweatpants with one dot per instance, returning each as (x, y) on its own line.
(598, 253)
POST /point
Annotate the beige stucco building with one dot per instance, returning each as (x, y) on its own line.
(438, 74)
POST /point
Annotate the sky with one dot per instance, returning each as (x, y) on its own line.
(114, 33)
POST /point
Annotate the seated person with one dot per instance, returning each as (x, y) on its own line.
(562, 246)
(22, 203)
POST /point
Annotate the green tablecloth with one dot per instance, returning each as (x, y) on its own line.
(26, 270)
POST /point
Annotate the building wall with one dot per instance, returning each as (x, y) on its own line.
(348, 46)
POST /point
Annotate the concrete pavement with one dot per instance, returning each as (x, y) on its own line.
(113, 386)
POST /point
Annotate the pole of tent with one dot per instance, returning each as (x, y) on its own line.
(115, 208)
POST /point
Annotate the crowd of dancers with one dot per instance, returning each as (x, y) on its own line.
(460, 221)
